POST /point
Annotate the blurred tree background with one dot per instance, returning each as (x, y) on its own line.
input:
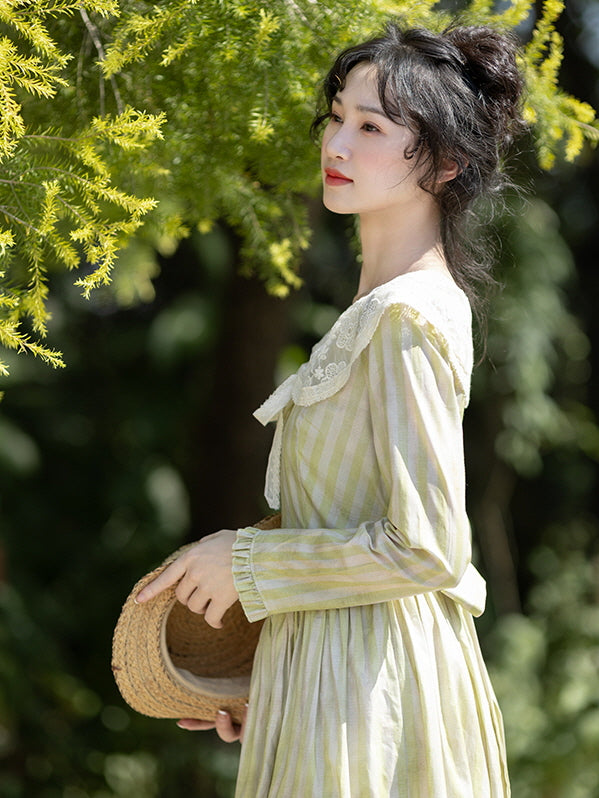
(146, 439)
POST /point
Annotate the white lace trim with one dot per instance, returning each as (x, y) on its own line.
(425, 296)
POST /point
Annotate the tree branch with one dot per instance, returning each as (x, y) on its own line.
(95, 37)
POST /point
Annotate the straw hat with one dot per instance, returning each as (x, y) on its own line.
(169, 663)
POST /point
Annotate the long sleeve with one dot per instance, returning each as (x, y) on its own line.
(422, 542)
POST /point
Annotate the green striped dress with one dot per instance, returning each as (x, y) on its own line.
(368, 680)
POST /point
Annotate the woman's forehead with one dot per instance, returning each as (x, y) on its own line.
(361, 82)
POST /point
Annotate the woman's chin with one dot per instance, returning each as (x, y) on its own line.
(334, 205)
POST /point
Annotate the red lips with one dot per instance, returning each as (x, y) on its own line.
(335, 178)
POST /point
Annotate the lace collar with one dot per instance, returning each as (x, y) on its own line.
(427, 297)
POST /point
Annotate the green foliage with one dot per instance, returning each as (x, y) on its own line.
(556, 116)
(545, 671)
(60, 207)
(538, 352)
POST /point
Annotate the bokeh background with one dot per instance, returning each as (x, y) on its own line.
(146, 441)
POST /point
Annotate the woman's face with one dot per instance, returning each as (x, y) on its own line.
(364, 168)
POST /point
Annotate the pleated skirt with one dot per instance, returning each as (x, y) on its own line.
(389, 700)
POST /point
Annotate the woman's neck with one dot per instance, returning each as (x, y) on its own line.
(391, 247)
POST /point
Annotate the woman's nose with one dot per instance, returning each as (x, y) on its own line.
(338, 145)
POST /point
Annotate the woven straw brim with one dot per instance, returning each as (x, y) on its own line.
(169, 663)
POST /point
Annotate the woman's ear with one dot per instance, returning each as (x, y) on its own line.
(449, 170)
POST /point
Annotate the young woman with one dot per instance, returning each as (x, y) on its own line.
(368, 680)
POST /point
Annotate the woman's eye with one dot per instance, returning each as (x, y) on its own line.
(335, 118)
(370, 128)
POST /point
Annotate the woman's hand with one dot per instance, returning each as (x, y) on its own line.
(204, 575)
(225, 728)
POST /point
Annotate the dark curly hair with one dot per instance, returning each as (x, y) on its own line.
(460, 93)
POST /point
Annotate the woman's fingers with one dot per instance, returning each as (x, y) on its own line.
(207, 567)
(168, 577)
(187, 591)
(228, 731)
(195, 725)
(215, 610)
(225, 728)
(191, 595)
(182, 574)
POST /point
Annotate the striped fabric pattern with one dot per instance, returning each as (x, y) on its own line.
(368, 680)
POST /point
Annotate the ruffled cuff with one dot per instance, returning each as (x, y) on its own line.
(243, 575)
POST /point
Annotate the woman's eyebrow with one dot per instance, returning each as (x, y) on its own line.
(371, 109)
(365, 109)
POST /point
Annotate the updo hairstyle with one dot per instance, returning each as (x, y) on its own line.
(459, 92)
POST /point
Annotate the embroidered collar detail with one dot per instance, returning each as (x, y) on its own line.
(426, 297)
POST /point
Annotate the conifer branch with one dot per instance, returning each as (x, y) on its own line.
(29, 227)
(95, 37)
